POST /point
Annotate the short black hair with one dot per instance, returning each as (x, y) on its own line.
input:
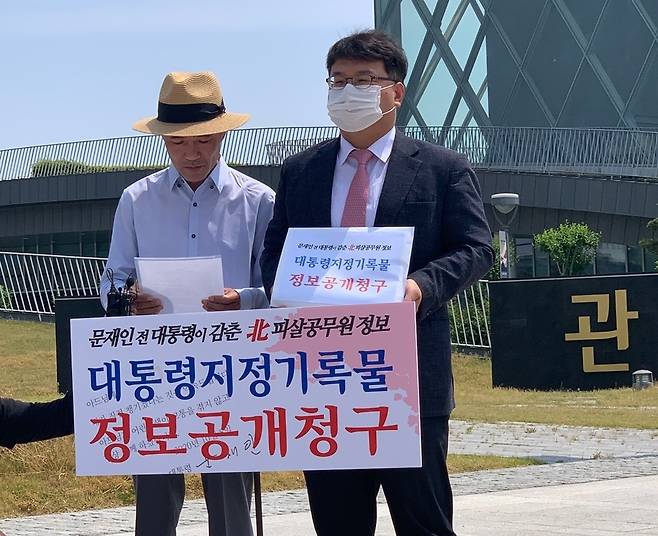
(371, 45)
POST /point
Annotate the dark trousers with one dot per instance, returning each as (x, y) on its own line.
(420, 500)
(159, 500)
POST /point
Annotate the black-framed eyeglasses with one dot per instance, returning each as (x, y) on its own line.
(361, 81)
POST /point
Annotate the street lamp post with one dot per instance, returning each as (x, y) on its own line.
(506, 206)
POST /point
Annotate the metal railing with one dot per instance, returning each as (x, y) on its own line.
(611, 152)
(30, 282)
(469, 317)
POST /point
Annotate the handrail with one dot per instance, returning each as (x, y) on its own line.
(622, 153)
(30, 283)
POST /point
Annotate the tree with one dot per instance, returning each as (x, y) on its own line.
(571, 246)
(652, 243)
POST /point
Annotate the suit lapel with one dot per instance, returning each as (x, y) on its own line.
(320, 177)
(400, 175)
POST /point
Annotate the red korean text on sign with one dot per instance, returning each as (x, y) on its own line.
(258, 332)
(214, 434)
(276, 426)
(314, 421)
(381, 426)
(112, 433)
(161, 432)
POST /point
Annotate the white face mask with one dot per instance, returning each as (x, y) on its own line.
(352, 109)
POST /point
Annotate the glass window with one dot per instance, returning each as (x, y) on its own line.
(12, 243)
(524, 265)
(586, 14)
(66, 244)
(589, 104)
(88, 243)
(102, 243)
(622, 68)
(635, 255)
(611, 259)
(650, 260)
(554, 272)
(509, 14)
(589, 269)
(29, 244)
(553, 60)
(45, 244)
(541, 263)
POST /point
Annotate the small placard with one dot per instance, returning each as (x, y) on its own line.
(343, 265)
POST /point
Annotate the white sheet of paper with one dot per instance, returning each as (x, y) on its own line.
(181, 283)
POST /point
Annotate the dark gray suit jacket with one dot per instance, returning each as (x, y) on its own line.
(427, 187)
(24, 422)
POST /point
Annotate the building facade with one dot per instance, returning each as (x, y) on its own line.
(539, 64)
(529, 63)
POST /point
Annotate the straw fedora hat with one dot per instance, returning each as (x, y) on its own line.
(191, 104)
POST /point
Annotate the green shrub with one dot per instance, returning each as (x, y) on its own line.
(5, 297)
(571, 246)
(53, 168)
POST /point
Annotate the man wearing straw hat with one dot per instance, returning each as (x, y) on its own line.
(198, 206)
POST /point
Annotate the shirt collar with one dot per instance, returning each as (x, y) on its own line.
(219, 175)
(382, 148)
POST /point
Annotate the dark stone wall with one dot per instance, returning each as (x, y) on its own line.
(619, 209)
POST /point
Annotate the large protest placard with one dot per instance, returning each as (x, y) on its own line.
(261, 390)
(343, 265)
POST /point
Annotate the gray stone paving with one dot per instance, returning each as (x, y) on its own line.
(550, 443)
(589, 454)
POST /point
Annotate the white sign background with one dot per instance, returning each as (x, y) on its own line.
(400, 448)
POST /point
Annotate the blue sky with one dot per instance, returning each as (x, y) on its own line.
(81, 69)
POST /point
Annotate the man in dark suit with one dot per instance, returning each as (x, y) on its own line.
(375, 176)
(25, 422)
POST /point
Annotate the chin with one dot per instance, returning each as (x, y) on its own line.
(196, 175)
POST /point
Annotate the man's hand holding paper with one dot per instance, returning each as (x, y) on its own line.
(229, 301)
(182, 285)
(146, 304)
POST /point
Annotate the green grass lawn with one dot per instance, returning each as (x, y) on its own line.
(27, 360)
(608, 408)
(40, 478)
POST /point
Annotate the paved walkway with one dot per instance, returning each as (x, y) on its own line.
(550, 443)
(608, 487)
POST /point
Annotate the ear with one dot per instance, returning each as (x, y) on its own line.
(400, 92)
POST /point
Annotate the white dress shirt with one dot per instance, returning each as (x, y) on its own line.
(227, 215)
(345, 170)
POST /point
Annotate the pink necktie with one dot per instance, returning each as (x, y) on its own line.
(354, 213)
